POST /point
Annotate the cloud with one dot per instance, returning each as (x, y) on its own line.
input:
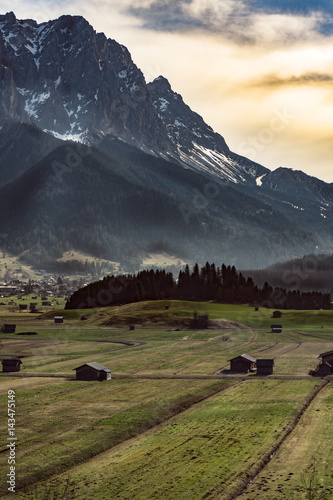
(243, 21)
(273, 80)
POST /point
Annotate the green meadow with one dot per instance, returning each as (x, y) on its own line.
(169, 424)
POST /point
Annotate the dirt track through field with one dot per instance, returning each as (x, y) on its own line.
(240, 485)
(126, 344)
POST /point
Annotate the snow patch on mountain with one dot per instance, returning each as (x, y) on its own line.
(68, 136)
(211, 162)
(259, 180)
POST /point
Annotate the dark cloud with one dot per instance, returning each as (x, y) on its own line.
(237, 19)
(165, 15)
(306, 78)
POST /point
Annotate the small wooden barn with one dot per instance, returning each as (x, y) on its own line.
(11, 365)
(8, 328)
(242, 363)
(265, 366)
(58, 319)
(323, 369)
(326, 356)
(276, 328)
(92, 371)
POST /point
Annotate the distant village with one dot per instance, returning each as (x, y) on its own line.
(48, 287)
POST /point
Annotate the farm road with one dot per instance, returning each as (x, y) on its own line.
(129, 344)
(244, 480)
(166, 377)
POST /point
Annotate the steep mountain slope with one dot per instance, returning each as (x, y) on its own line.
(22, 145)
(149, 205)
(196, 145)
(152, 174)
(304, 200)
(66, 78)
(93, 88)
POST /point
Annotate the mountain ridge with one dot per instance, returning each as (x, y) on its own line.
(60, 82)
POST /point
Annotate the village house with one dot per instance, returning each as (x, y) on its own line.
(92, 371)
(276, 328)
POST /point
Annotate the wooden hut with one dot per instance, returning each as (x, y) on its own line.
(276, 328)
(323, 369)
(8, 328)
(92, 371)
(11, 365)
(265, 366)
(58, 319)
(242, 363)
(326, 356)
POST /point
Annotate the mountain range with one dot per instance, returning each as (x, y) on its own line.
(94, 158)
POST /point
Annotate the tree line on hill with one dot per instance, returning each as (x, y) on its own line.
(224, 285)
(307, 273)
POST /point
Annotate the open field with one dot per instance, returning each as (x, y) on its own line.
(11, 267)
(306, 455)
(62, 423)
(163, 427)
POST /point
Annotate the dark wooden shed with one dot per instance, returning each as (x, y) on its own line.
(276, 328)
(265, 366)
(323, 369)
(8, 328)
(326, 356)
(11, 365)
(242, 363)
(93, 371)
(58, 319)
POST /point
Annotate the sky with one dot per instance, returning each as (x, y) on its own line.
(259, 72)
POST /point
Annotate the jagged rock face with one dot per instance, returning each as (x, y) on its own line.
(195, 143)
(71, 81)
(298, 184)
(66, 78)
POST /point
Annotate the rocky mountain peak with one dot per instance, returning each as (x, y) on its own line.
(74, 83)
